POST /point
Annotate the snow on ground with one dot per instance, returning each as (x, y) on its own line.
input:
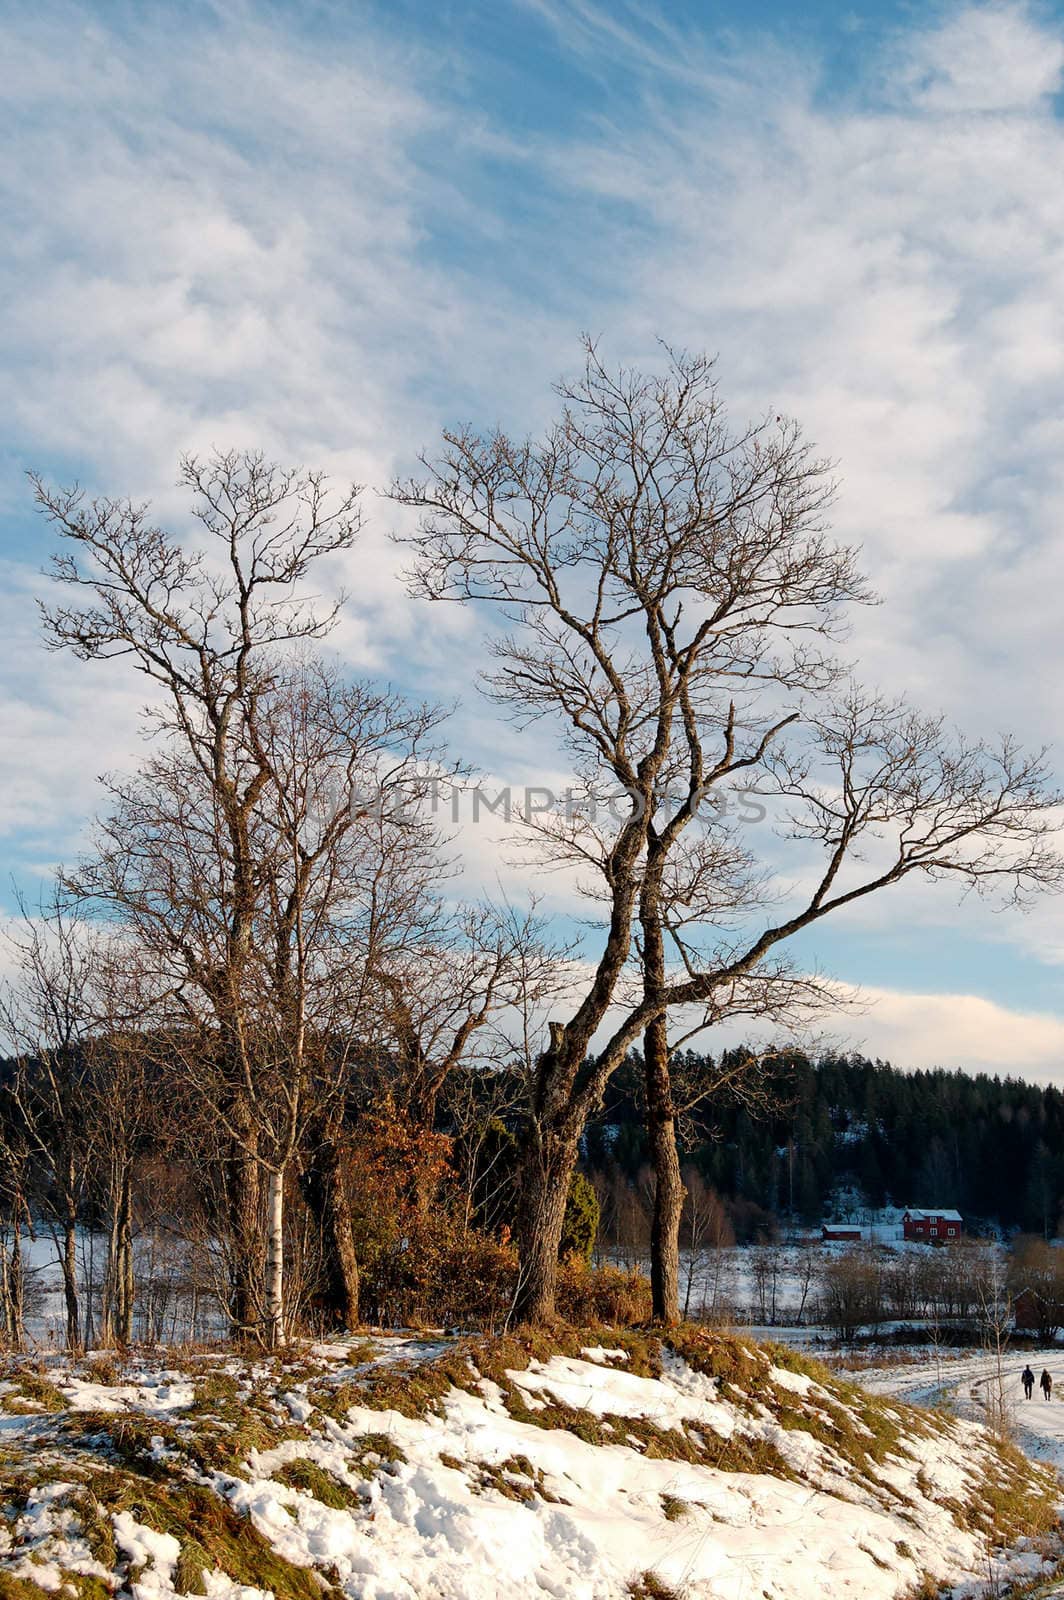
(968, 1384)
(408, 1469)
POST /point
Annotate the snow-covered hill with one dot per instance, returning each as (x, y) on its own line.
(588, 1467)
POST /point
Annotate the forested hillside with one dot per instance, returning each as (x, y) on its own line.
(992, 1147)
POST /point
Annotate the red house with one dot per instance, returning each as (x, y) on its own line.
(932, 1227)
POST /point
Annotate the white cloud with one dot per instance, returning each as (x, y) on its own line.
(894, 275)
(224, 233)
(219, 238)
(959, 1030)
(983, 60)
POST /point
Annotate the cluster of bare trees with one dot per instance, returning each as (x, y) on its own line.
(270, 893)
(955, 1291)
(270, 938)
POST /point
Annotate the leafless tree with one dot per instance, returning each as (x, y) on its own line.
(344, 872)
(669, 586)
(652, 560)
(14, 1217)
(708, 1236)
(477, 1108)
(806, 1265)
(1035, 1267)
(851, 1293)
(204, 621)
(995, 1320)
(125, 1112)
(354, 865)
(766, 1266)
(46, 1013)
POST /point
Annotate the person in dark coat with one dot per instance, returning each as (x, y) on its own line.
(1028, 1382)
(1047, 1383)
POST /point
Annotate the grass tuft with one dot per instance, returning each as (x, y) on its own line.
(33, 1393)
(648, 1586)
(304, 1474)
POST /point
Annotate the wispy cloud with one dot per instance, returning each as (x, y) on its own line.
(226, 226)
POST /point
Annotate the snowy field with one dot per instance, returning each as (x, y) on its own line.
(775, 1287)
(168, 1308)
(416, 1470)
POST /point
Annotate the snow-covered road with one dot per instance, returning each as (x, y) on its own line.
(970, 1384)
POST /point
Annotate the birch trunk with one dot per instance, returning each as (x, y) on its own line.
(69, 1268)
(275, 1261)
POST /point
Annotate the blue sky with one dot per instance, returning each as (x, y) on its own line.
(328, 230)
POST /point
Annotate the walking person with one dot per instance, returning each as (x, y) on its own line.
(1028, 1382)
(1046, 1382)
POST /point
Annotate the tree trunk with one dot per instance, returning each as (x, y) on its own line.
(6, 1308)
(69, 1267)
(668, 1184)
(116, 1318)
(326, 1194)
(275, 1261)
(546, 1170)
(242, 1188)
(15, 1287)
(661, 1114)
(120, 1270)
(108, 1307)
(129, 1287)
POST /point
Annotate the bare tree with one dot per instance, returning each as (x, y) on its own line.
(851, 1293)
(669, 583)
(353, 869)
(806, 1264)
(766, 1267)
(125, 1113)
(1035, 1268)
(708, 1236)
(204, 624)
(13, 1217)
(995, 1320)
(344, 875)
(46, 1012)
(654, 563)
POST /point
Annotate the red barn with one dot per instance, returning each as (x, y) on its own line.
(840, 1230)
(932, 1227)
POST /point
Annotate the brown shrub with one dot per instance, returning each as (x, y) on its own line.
(602, 1296)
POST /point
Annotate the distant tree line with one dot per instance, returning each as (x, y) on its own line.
(992, 1147)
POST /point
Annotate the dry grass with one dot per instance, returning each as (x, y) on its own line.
(311, 1479)
(146, 1464)
(648, 1586)
(33, 1393)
